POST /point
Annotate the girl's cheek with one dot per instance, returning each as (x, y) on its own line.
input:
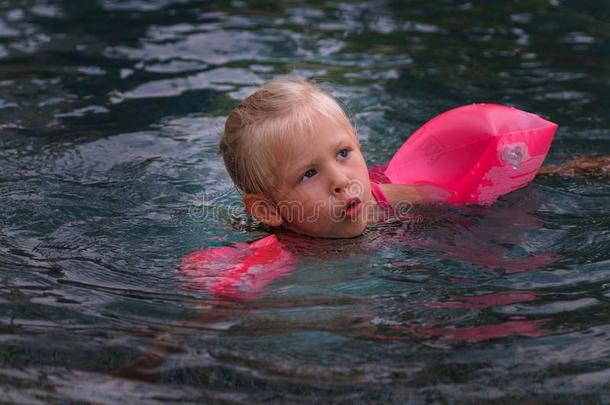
(311, 186)
(306, 193)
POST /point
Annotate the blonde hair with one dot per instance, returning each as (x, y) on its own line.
(271, 117)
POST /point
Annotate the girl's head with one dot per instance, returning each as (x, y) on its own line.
(292, 152)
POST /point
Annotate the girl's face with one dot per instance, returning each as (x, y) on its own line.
(324, 188)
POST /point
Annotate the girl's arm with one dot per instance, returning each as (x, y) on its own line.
(400, 194)
(590, 166)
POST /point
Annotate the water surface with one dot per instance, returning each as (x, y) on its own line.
(110, 115)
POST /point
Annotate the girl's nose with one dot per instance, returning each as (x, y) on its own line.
(339, 183)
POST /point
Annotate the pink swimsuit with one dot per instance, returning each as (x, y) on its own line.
(381, 199)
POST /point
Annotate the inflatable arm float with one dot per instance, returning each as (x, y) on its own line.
(478, 152)
(240, 272)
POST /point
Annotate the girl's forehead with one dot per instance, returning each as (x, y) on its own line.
(299, 142)
(309, 148)
(322, 134)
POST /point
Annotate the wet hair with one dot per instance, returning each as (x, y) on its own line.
(265, 122)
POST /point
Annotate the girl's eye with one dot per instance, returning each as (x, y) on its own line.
(343, 153)
(308, 174)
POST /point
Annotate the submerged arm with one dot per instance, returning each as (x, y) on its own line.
(590, 166)
(399, 194)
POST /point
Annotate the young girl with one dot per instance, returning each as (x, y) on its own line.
(293, 153)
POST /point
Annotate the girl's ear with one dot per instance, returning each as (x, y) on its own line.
(263, 209)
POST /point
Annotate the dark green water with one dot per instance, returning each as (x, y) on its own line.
(110, 113)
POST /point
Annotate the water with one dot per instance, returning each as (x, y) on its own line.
(110, 113)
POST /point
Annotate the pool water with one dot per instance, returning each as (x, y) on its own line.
(110, 115)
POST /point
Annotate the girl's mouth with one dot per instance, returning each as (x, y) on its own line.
(353, 207)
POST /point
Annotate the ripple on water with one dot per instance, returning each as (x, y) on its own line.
(206, 48)
(221, 79)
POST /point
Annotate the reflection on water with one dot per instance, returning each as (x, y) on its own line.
(110, 113)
